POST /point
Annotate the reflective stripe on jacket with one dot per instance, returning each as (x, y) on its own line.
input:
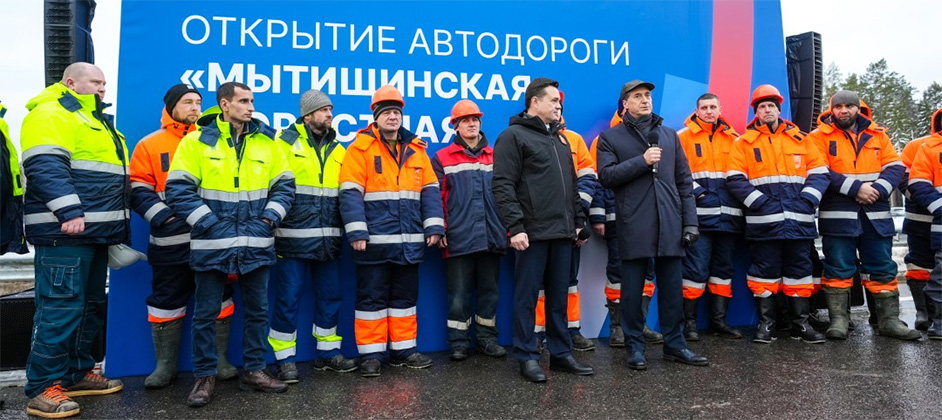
(312, 228)
(394, 203)
(472, 223)
(224, 196)
(854, 158)
(76, 162)
(780, 178)
(925, 180)
(169, 242)
(707, 147)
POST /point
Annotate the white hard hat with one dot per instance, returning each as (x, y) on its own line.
(121, 255)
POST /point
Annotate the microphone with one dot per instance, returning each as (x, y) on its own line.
(585, 233)
(652, 142)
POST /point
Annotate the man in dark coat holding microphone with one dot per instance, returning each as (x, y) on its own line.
(643, 162)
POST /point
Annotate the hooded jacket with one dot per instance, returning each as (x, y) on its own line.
(918, 220)
(76, 165)
(169, 241)
(864, 155)
(312, 229)
(535, 180)
(394, 203)
(223, 192)
(707, 148)
(925, 179)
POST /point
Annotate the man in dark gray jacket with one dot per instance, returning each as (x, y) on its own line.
(643, 162)
(538, 200)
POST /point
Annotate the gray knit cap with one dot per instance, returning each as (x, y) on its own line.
(313, 100)
(845, 97)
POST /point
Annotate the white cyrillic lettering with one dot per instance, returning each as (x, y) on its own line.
(519, 84)
(496, 45)
(426, 129)
(464, 41)
(554, 50)
(276, 78)
(344, 135)
(530, 49)
(506, 55)
(496, 87)
(251, 77)
(595, 49)
(468, 87)
(335, 26)
(446, 42)
(295, 77)
(381, 40)
(449, 132)
(271, 35)
(295, 34)
(261, 117)
(329, 79)
(445, 94)
(398, 79)
(355, 42)
(225, 27)
(185, 30)
(248, 31)
(283, 120)
(623, 49)
(426, 83)
(217, 78)
(357, 88)
(415, 42)
(572, 50)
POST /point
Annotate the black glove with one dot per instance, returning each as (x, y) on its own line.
(691, 235)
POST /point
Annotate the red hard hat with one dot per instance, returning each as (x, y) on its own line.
(387, 93)
(465, 108)
(766, 92)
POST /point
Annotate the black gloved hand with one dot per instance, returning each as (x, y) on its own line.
(691, 235)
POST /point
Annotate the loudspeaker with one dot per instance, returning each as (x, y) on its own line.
(16, 318)
(805, 78)
(68, 35)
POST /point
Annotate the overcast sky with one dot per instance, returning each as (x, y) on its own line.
(854, 34)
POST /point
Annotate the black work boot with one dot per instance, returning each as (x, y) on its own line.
(765, 307)
(650, 336)
(935, 327)
(616, 336)
(718, 326)
(917, 287)
(800, 308)
(167, 352)
(871, 307)
(690, 320)
(838, 300)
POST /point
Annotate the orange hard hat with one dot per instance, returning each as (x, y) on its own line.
(387, 93)
(766, 92)
(465, 108)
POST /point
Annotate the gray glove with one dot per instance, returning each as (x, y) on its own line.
(691, 235)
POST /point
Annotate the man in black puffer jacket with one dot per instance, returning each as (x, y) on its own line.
(538, 200)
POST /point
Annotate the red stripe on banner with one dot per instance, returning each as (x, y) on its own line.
(731, 58)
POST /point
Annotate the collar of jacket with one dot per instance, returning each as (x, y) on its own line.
(178, 129)
(216, 128)
(754, 130)
(827, 126)
(298, 130)
(3, 110)
(696, 125)
(535, 123)
(460, 146)
(936, 126)
(367, 136)
(656, 121)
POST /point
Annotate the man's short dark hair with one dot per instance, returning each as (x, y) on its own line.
(705, 97)
(227, 91)
(537, 88)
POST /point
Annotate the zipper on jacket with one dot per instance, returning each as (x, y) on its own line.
(559, 166)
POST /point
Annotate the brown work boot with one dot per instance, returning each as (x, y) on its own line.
(52, 404)
(202, 391)
(94, 384)
(261, 380)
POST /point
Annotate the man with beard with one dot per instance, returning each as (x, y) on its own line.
(855, 214)
(308, 242)
(168, 251)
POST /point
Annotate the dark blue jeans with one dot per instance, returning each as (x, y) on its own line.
(209, 290)
(70, 310)
(877, 268)
(288, 276)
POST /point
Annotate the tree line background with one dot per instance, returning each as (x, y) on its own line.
(895, 102)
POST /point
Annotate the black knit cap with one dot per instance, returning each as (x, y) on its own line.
(176, 92)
